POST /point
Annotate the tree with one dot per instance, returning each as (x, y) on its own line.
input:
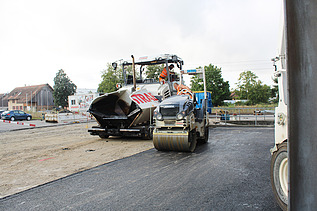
(63, 87)
(219, 88)
(153, 71)
(251, 89)
(110, 78)
(259, 93)
(246, 81)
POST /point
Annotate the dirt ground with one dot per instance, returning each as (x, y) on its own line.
(32, 157)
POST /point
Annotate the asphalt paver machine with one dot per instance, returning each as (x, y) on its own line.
(129, 110)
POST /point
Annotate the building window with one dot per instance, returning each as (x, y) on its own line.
(73, 102)
(13, 107)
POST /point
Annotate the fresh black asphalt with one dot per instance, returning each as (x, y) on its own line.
(231, 172)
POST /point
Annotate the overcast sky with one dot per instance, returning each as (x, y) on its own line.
(39, 37)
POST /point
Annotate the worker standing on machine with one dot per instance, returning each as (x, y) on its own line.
(163, 74)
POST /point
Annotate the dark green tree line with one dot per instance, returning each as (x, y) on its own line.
(251, 89)
(215, 84)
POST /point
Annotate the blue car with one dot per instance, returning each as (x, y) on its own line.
(16, 115)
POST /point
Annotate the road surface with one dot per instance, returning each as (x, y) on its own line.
(31, 157)
(231, 172)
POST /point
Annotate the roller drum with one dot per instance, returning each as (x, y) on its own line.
(183, 142)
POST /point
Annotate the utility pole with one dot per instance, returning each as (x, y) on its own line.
(301, 20)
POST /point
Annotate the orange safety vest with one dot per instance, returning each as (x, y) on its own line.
(163, 74)
(184, 90)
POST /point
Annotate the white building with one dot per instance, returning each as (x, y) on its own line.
(81, 101)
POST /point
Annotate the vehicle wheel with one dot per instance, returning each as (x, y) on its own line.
(279, 175)
(28, 118)
(192, 141)
(204, 140)
(148, 135)
(103, 136)
(12, 118)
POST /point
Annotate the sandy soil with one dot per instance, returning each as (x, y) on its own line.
(29, 158)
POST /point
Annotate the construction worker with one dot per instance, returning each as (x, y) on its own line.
(163, 74)
(183, 90)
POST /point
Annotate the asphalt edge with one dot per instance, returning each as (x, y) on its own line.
(74, 174)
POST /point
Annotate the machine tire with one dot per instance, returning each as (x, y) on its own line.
(279, 175)
(103, 136)
(192, 139)
(12, 118)
(204, 140)
(148, 135)
(28, 118)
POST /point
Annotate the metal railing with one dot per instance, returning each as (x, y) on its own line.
(243, 115)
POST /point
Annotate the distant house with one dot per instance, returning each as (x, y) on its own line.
(233, 95)
(4, 101)
(234, 98)
(35, 98)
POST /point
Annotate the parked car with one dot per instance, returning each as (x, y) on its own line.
(1, 111)
(16, 115)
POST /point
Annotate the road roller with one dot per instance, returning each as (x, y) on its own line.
(179, 125)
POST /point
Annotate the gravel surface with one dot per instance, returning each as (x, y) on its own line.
(35, 156)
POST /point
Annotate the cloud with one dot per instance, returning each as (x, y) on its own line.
(81, 37)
